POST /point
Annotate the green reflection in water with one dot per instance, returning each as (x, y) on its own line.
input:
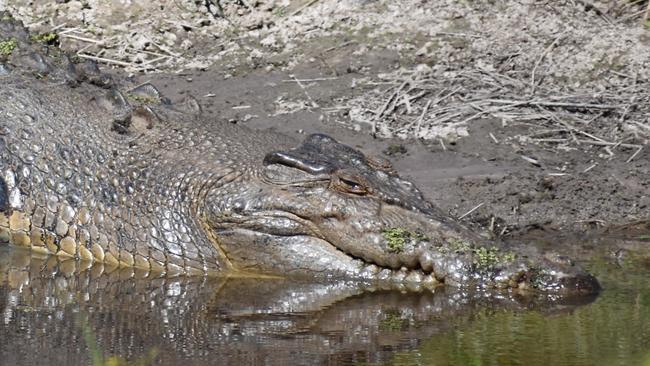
(97, 354)
(614, 330)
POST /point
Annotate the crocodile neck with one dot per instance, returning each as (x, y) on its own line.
(77, 188)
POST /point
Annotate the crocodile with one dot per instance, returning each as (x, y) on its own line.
(100, 173)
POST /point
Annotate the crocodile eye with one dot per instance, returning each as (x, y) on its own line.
(350, 183)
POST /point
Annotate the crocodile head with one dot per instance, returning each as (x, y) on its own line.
(326, 209)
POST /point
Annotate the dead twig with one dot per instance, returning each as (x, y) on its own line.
(484, 112)
(165, 49)
(453, 34)
(470, 211)
(303, 7)
(384, 107)
(344, 44)
(540, 103)
(605, 143)
(421, 118)
(590, 167)
(105, 60)
(294, 80)
(634, 155)
(304, 90)
(634, 15)
(533, 84)
(83, 39)
(535, 162)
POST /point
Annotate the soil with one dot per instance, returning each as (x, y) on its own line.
(334, 67)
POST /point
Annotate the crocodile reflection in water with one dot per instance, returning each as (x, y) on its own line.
(221, 321)
(132, 181)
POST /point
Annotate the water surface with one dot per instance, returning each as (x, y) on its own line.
(61, 313)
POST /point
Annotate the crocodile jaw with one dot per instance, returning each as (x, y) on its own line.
(275, 234)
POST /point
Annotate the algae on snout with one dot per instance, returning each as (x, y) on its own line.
(397, 237)
(485, 258)
(7, 47)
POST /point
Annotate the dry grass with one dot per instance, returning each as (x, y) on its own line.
(417, 102)
(575, 72)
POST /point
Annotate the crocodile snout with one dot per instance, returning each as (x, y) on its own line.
(582, 283)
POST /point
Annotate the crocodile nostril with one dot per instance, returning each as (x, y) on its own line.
(583, 283)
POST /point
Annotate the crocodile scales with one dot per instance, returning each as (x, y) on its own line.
(132, 180)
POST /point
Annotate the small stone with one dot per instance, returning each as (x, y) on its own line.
(525, 197)
(546, 183)
(186, 44)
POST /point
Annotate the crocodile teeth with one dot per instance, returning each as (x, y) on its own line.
(426, 262)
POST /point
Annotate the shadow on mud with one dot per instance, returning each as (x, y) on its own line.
(216, 321)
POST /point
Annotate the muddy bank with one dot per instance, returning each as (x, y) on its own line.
(516, 184)
(509, 115)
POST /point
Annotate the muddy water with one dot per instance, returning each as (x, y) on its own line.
(62, 314)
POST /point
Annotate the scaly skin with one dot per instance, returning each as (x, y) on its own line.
(95, 175)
